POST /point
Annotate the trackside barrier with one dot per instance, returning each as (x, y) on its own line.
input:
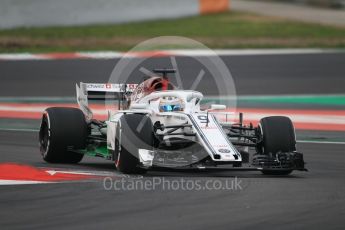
(213, 6)
(39, 13)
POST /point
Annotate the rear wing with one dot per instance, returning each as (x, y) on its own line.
(101, 91)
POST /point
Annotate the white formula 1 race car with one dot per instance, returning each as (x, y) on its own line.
(158, 126)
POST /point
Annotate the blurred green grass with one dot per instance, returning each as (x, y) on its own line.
(226, 30)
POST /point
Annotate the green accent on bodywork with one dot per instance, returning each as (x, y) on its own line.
(100, 151)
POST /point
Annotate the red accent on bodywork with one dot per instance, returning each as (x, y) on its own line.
(165, 84)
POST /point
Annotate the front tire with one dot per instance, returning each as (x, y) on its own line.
(62, 129)
(133, 132)
(278, 135)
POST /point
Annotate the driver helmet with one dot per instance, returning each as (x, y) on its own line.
(171, 104)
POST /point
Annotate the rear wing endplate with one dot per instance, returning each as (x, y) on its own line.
(100, 91)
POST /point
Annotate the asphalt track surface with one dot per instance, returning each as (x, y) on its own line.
(312, 200)
(252, 75)
(303, 200)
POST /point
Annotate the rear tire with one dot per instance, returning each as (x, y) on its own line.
(278, 135)
(134, 131)
(62, 129)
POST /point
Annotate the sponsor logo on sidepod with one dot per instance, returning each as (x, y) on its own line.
(95, 86)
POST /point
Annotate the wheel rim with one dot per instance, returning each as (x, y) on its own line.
(44, 137)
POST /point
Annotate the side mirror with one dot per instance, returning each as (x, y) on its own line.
(138, 106)
(217, 107)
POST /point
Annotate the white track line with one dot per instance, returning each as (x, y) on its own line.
(21, 56)
(248, 52)
(100, 55)
(19, 130)
(22, 182)
(79, 172)
(115, 54)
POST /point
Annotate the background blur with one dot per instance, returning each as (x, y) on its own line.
(74, 25)
(286, 58)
